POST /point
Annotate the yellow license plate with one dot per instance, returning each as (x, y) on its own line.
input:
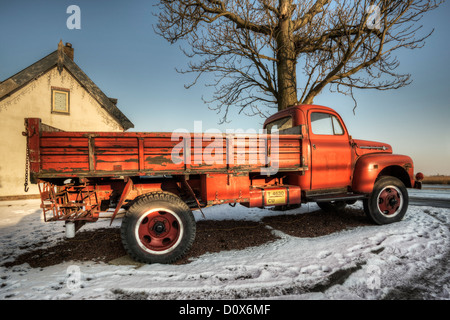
(274, 197)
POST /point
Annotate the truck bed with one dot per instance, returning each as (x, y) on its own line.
(56, 154)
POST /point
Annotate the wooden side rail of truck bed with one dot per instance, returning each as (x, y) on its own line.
(56, 153)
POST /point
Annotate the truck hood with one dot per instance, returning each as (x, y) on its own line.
(364, 147)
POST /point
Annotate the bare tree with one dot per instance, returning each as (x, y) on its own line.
(255, 48)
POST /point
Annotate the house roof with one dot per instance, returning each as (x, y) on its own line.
(60, 59)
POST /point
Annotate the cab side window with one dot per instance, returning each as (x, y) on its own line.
(325, 124)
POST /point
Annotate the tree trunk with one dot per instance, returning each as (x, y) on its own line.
(310, 97)
(286, 58)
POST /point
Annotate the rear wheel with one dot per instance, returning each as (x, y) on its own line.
(158, 228)
(388, 201)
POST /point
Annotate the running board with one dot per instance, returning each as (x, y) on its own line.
(335, 197)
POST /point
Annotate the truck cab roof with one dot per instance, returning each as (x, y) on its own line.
(303, 108)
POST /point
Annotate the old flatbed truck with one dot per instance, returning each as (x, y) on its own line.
(160, 178)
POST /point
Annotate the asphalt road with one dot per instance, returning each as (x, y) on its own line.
(431, 196)
(439, 203)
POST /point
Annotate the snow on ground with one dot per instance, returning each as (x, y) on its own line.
(371, 262)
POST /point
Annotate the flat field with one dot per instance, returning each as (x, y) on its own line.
(436, 179)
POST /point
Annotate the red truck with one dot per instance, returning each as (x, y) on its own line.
(305, 154)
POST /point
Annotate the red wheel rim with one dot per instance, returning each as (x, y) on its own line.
(390, 201)
(159, 230)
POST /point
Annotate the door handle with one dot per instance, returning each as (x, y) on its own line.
(314, 146)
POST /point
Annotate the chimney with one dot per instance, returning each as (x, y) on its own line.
(68, 50)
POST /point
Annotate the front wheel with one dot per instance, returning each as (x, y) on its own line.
(388, 201)
(158, 228)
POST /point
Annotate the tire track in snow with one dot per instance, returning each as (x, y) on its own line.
(434, 282)
(297, 288)
(351, 262)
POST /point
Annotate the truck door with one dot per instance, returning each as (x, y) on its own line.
(330, 151)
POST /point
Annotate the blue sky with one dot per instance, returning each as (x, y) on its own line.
(118, 49)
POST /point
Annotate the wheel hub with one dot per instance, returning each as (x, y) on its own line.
(159, 227)
(389, 201)
(159, 230)
(393, 202)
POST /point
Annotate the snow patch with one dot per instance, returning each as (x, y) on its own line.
(370, 262)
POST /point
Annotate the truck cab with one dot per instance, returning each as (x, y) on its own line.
(341, 169)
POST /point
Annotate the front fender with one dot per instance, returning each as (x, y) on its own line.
(369, 167)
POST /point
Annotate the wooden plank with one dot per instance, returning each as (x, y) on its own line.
(91, 153)
(141, 154)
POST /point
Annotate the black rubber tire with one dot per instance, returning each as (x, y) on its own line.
(135, 216)
(373, 206)
(332, 206)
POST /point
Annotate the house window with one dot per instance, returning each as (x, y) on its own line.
(60, 100)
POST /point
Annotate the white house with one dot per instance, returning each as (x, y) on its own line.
(56, 90)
